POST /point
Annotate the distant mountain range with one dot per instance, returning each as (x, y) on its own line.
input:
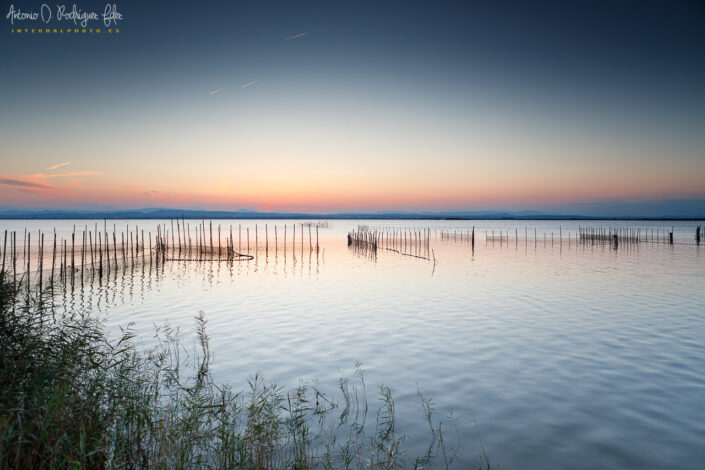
(691, 211)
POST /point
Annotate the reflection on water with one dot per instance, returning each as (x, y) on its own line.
(570, 353)
(118, 283)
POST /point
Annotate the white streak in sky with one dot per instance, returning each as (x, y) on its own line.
(248, 84)
(58, 165)
(215, 91)
(295, 36)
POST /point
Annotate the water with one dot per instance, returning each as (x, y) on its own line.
(568, 356)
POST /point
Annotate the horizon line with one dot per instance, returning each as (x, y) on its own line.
(169, 213)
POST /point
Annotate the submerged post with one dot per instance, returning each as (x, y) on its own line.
(53, 258)
(41, 260)
(73, 249)
(28, 245)
(4, 250)
(178, 233)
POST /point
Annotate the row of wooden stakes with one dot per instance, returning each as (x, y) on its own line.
(408, 242)
(97, 250)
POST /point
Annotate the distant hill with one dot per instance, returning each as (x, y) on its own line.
(170, 213)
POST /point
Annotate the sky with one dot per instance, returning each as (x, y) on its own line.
(357, 106)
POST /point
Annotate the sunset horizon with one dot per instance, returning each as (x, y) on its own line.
(322, 108)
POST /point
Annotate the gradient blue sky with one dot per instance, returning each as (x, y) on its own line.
(411, 106)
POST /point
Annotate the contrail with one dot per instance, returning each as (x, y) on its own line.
(295, 36)
(58, 165)
(215, 91)
(248, 84)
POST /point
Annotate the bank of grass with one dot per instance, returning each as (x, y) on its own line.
(70, 397)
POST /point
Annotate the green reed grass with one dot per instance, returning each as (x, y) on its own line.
(71, 397)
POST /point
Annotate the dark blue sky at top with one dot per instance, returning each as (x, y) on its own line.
(642, 49)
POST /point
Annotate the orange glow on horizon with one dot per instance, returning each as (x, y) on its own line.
(316, 200)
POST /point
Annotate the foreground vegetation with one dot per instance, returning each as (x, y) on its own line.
(70, 397)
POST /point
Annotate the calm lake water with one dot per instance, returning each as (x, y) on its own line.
(567, 355)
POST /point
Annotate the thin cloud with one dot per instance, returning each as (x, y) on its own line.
(58, 165)
(35, 191)
(25, 184)
(62, 175)
(248, 84)
(215, 91)
(295, 36)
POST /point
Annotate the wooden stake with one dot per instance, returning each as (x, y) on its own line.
(41, 264)
(65, 265)
(27, 258)
(178, 231)
(73, 244)
(4, 251)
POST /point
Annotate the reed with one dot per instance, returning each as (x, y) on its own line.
(71, 397)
